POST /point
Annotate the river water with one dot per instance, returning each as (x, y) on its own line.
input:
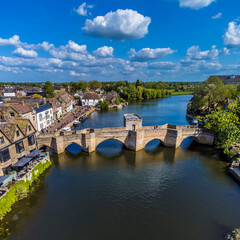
(115, 194)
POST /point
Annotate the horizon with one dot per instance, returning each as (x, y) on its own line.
(168, 41)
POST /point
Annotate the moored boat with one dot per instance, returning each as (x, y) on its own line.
(83, 118)
(76, 123)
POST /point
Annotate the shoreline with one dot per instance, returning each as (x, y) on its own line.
(20, 189)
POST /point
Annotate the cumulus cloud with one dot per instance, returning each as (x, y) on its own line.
(13, 41)
(147, 54)
(20, 52)
(219, 15)
(76, 74)
(195, 4)
(104, 51)
(232, 36)
(83, 9)
(195, 53)
(72, 51)
(119, 25)
(46, 46)
(77, 48)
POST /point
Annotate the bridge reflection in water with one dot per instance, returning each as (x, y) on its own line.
(112, 152)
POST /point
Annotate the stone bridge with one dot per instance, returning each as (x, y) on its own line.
(133, 135)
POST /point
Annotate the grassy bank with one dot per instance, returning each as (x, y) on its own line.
(173, 93)
(21, 189)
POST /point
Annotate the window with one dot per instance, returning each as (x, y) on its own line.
(2, 140)
(41, 125)
(29, 128)
(19, 147)
(12, 115)
(48, 122)
(40, 117)
(34, 118)
(17, 133)
(31, 140)
(4, 155)
(47, 114)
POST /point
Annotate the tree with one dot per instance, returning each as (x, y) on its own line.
(37, 95)
(104, 105)
(49, 89)
(225, 126)
(139, 92)
(95, 84)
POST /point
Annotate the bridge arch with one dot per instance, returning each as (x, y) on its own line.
(73, 147)
(187, 141)
(110, 147)
(153, 144)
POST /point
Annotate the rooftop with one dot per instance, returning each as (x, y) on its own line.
(43, 108)
(132, 116)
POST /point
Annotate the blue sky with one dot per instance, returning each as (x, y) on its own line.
(164, 40)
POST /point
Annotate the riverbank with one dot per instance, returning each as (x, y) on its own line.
(21, 187)
(173, 93)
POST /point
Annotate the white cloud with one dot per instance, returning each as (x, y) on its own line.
(104, 51)
(195, 4)
(46, 46)
(13, 41)
(195, 53)
(83, 9)
(77, 48)
(20, 52)
(232, 36)
(217, 16)
(224, 51)
(76, 74)
(119, 25)
(147, 54)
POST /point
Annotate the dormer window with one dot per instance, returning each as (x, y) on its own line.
(12, 115)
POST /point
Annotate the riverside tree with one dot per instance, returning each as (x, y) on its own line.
(49, 89)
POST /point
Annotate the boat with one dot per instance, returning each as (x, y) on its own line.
(83, 118)
(235, 169)
(194, 121)
(76, 123)
(66, 129)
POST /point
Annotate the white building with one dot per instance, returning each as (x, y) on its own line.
(44, 116)
(91, 99)
(59, 112)
(9, 94)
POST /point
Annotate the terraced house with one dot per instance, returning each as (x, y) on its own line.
(44, 115)
(17, 139)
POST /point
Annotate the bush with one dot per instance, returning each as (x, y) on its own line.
(235, 235)
(20, 189)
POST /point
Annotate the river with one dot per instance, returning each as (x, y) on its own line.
(115, 194)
